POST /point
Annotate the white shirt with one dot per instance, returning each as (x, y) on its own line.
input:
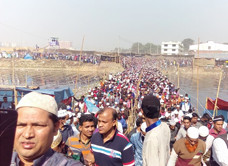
(120, 127)
(220, 152)
(6, 105)
(156, 150)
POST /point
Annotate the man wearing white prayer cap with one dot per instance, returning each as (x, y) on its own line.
(188, 150)
(203, 133)
(37, 124)
(65, 124)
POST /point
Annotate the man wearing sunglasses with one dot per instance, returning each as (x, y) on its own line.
(188, 150)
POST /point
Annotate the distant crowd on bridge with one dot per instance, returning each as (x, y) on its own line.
(136, 117)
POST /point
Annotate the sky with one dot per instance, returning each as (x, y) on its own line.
(108, 24)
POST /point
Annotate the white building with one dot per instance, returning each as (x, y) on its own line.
(65, 44)
(210, 46)
(210, 49)
(172, 48)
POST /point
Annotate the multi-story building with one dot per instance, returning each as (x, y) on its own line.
(172, 48)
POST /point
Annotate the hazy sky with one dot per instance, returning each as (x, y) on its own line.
(107, 24)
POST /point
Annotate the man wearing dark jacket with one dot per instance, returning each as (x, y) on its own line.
(37, 124)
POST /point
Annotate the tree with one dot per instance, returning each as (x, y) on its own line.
(137, 48)
(187, 42)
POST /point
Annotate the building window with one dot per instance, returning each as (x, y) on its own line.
(174, 45)
(165, 49)
(209, 47)
(173, 49)
(166, 45)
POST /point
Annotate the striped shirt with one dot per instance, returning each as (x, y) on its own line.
(77, 146)
(116, 151)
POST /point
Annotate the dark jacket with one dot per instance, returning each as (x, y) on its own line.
(48, 159)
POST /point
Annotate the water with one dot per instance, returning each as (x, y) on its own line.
(51, 79)
(208, 85)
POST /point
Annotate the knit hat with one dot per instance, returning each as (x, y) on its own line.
(151, 106)
(38, 100)
(193, 132)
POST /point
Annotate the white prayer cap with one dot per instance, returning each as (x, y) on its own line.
(193, 132)
(56, 140)
(68, 107)
(189, 115)
(143, 126)
(107, 104)
(62, 113)
(69, 113)
(87, 113)
(203, 131)
(38, 100)
(140, 114)
(175, 112)
(172, 123)
(79, 115)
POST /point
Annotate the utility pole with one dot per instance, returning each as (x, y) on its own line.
(81, 49)
(138, 48)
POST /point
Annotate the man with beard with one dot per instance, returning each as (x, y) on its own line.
(173, 131)
(183, 130)
(188, 150)
(80, 144)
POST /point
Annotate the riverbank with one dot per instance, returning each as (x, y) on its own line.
(55, 73)
(201, 71)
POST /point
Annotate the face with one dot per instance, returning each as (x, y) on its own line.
(5, 99)
(34, 133)
(218, 125)
(87, 129)
(186, 124)
(192, 141)
(143, 133)
(171, 127)
(194, 119)
(105, 122)
(62, 121)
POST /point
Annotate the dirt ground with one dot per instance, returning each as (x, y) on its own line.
(21, 64)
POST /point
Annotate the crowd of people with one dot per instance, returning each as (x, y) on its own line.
(85, 58)
(167, 130)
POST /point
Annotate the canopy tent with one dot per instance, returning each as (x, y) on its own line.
(61, 94)
(28, 56)
(222, 107)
